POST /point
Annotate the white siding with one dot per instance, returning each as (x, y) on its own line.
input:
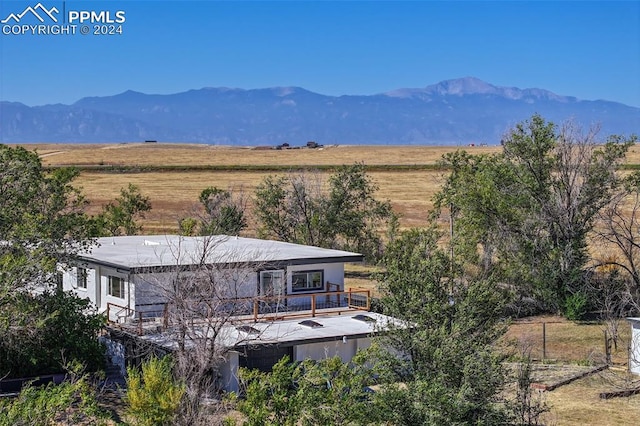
(118, 306)
(634, 352)
(70, 283)
(346, 350)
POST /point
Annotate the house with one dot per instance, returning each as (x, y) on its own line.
(277, 298)
(125, 275)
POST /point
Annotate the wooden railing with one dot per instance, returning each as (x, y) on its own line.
(355, 299)
(267, 308)
(132, 317)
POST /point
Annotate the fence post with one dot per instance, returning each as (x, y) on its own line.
(313, 305)
(544, 341)
(607, 348)
(140, 323)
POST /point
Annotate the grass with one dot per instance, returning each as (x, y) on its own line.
(578, 403)
(566, 341)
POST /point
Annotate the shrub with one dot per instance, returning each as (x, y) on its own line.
(153, 396)
(40, 334)
(71, 402)
(575, 306)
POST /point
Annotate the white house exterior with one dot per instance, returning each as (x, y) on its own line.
(296, 303)
(126, 273)
(634, 347)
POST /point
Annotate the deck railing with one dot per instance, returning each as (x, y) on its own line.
(154, 317)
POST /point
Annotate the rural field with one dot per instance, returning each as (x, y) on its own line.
(173, 175)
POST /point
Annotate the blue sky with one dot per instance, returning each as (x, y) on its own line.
(590, 50)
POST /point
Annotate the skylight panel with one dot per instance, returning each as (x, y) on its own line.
(310, 324)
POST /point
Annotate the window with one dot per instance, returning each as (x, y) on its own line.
(307, 280)
(81, 278)
(116, 287)
(272, 283)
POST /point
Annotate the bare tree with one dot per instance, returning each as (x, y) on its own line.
(619, 228)
(206, 294)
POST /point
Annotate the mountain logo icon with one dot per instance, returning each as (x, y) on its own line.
(38, 11)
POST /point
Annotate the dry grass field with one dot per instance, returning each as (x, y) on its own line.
(174, 192)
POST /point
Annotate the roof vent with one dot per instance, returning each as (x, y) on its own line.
(364, 318)
(151, 243)
(248, 329)
(310, 324)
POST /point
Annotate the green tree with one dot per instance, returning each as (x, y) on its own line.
(326, 392)
(531, 208)
(297, 208)
(354, 213)
(293, 208)
(28, 326)
(442, 354)
(71, 402)
(223, 214)
(42, 226)
(42, 221)
(120, 216)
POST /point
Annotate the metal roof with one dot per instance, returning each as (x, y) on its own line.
(142, 252)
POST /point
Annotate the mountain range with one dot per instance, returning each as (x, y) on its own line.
(459, 111)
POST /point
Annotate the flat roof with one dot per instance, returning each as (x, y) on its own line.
(153, 251)
(290, 332)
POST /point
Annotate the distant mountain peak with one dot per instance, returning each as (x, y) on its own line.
(462, 86)
(467, 86)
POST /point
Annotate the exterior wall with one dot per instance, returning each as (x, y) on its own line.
(117, 311)
(634, 352)
(333, 273)
(143, 292)
(70, 283)
(346, 350)
(228, 373)
(150, 287)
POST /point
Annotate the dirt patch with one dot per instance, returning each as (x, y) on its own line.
(111, 401)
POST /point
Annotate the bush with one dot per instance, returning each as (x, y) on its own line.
(575, 306)
(71, 402)
(153, 396)
(40, 334)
